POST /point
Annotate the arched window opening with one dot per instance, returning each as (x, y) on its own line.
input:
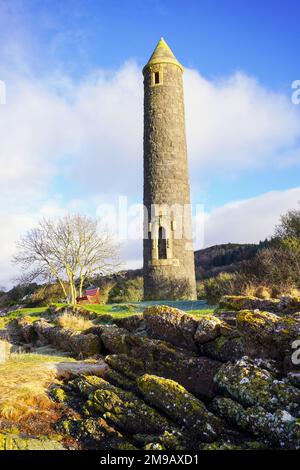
(162, 244)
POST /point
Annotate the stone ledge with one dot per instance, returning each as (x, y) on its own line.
(164, 262)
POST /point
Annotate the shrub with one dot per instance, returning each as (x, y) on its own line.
(46, 295)
(127, 290)
(200, 286)
(276, 267)
(18, 292)
(216, 287)
(104, 292)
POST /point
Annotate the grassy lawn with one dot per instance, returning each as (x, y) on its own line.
(125, 310)
(32, 314)
(112, 310)
(201, 313)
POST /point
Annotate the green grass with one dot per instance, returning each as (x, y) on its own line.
(114, 310)
(201, 313)
(115, 313)
(32, 314)
(111, 310)
(106, 309)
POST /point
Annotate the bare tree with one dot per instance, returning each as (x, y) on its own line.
(69, 249)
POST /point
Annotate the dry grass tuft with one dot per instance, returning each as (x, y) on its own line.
(262, 292)
(295, 292)
(74, 322)
(24, 381)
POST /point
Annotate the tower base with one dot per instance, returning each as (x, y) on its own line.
(164, 283)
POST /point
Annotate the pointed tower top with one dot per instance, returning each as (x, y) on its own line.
(162, 54)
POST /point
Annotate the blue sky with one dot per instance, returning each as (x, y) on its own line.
(214, 36)
(70, 66)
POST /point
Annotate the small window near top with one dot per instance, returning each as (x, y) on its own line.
(156, 78)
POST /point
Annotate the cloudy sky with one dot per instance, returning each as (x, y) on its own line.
(71, 128)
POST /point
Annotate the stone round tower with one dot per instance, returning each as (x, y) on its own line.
(169, 271)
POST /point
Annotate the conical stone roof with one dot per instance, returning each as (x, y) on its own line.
(162, 54)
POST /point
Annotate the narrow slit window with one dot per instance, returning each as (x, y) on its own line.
(162, 244)
(156, 78)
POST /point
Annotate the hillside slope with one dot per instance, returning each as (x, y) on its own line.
(209, 262)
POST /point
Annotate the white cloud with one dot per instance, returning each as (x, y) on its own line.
(92, 130)
(249, 220)
(236, 123)
(244, 221)
(37, 130)
(90, 133)
(110, 110)
(13, 225)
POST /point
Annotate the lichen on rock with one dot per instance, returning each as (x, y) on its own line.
(251, 385)
(280, 428)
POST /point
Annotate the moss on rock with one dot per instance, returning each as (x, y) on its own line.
(181, 406)
(114, 339)
(242, 302)
(125, 410)
(227, 445)
(174, 439)
(172, 325)
(15, 442)
(209, 328)
(120, 380)
(127, 365)
(59, 395)
(94, 434)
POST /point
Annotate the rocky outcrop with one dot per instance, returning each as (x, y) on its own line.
(279, 429)
(289, 305)
(122, 409)
(114, 339)
(70, 369)
(172, 325)
(286, 305)
(251, 385)
(256, 334)
(131, 323)
(171, 381)
(244, 302)
(65, 339)
(94, 434)
(182, 407)
(160, 358)
(210, 328)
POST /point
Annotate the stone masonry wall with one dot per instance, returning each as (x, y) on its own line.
(166, 179)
